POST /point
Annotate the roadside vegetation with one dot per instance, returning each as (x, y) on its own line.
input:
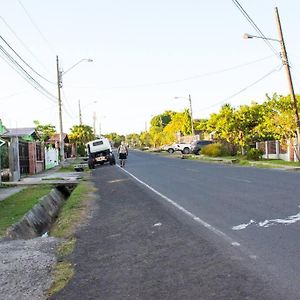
(236, 128)
(71, 215)
(13, 208)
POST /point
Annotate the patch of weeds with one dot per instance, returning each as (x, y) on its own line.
(244, 163)
(66, 248)
(63, 273)
(71, 215)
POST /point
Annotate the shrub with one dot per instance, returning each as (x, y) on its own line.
(254, 154)
(214, 150)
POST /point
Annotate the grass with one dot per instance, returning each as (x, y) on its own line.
(13, 208)
(72, 214)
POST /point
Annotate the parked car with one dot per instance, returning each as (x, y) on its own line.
(198, 145)
(182, 147)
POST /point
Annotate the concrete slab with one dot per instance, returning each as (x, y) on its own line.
(6, 192)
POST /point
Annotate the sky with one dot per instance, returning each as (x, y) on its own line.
(145, 54)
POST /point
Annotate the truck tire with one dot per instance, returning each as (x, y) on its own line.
(112, 160)
(171, 150)
(91, 164)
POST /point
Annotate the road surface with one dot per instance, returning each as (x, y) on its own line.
(166, 228)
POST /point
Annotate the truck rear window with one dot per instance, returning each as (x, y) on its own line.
(98, 143)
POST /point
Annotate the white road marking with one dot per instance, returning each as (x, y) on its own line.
(188, 213)
(157, 225)
(267, 223)
(239, 179)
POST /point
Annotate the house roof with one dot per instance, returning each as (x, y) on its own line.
(28, 132)
(56, 138)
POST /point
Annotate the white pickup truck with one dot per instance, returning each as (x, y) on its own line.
(184, 148)
(99, 151)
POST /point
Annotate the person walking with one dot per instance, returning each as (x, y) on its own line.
(123, 153)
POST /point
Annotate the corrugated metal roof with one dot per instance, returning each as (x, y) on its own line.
(20, 132)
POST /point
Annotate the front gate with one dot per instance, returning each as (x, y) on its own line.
(24, 157)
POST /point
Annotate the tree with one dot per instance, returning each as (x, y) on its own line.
(80, 135)
(44, 131)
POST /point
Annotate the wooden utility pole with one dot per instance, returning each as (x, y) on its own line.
(80, 115)
(61, 134)
(290, 81)
(191, 114)
(94, 122)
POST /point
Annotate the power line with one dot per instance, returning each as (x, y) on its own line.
(187, 78)
(36, 27)
(278, 68)
(24, 45)
(1, 37)
(256, 28)
(23, 73)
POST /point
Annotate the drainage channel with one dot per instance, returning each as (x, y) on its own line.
(41, 217)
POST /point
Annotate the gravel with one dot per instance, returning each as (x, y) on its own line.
(25, 268)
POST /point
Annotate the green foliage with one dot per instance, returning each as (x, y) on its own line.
(115, 138)
(214, 150)
(16, 206)
(81, 151)
(44, 131)
(254, 154)
(81, 134)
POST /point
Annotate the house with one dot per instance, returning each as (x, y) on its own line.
(55, 142)
(26, 153)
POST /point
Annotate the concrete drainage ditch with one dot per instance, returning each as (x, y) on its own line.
(40, 218)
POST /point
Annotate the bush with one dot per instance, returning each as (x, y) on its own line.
(214, 150)
(254, 154)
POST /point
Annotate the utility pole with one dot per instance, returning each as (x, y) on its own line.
(191, 114)
(290, 82)
(80, 115)
(94, 122)
(61, 134)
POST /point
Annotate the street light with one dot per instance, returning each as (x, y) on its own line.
(60, 73)
(250, 36)
(285, 62)
(191, 111)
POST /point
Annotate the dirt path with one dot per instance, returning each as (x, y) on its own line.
(134, 247)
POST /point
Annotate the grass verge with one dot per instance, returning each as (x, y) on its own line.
(13, 208)
(72, 214)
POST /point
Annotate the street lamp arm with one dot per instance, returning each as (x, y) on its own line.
(250, 36)
(83, 59)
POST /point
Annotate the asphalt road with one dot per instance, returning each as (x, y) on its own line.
(165, 228)
(254, 210)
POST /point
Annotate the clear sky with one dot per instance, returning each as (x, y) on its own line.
(145, 53)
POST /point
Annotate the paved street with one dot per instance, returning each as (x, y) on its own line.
(183, 230)
(255, 209)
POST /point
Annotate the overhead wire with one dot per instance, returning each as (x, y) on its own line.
(256, 28)
(31, 68)
(278, 68)
(21, 71)
(36, 27)
(186, 78)
(23, 44)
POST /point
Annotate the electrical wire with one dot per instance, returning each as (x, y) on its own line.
(23, 44)
(182, 79)
(21, 71)
(36, 27)
(1, 37)
(277, 69)
(256, 28)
